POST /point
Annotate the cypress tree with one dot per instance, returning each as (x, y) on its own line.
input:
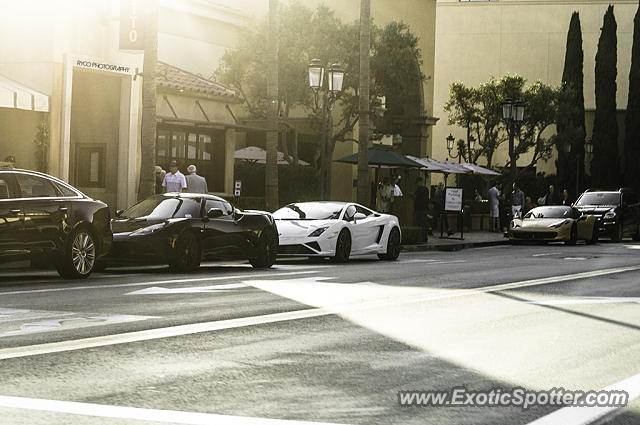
(605, 168)
(570, 120)
(632, 118)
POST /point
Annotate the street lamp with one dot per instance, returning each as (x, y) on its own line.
(471, 143)
(512, 112)
(335, 76)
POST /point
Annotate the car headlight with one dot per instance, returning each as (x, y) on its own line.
(317, 232)
(147, 230)
(559, 224)
(610, 214)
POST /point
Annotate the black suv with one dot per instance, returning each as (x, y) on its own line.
(50, 222)
(618, 212)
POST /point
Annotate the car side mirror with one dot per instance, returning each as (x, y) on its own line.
(119, 213)
(359, 216)
(215, 213)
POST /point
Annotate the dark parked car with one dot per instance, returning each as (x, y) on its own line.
(182, 229)
(50, 222)
(617, 211)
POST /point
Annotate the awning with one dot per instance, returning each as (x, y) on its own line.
(18, 96)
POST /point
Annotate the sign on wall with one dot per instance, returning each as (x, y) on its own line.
(131, 25)
(453, 199)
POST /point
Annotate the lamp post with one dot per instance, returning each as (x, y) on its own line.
(335, 78)
(512, 112)
(471, 143)
(588, 151)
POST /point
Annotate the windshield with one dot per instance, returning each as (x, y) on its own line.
(309, 212)
(599, 198)
(162, 208)
(549, 212)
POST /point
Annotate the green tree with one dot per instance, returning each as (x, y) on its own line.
(478, 111)
(570, 124)
(605, 164)
(305, 34)
(364, 177)
(271, 169)
(632, 118)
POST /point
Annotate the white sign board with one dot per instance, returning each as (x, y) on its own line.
(453, 199)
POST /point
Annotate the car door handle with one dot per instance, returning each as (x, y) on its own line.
(63, 209)
(15, 211)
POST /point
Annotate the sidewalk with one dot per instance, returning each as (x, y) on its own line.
(471, 240)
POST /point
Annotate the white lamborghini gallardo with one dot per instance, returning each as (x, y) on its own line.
(336, 230)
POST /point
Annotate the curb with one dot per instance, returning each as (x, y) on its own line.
(451, 247)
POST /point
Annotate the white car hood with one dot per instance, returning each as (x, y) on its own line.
(300, 228)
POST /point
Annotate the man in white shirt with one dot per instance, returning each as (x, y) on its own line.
(195, 183)
(174, 181)
(494, 208)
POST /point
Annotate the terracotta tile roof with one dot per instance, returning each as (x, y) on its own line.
(178, 79)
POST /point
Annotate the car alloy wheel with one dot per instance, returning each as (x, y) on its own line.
(393, 246)
(187, 253)
(594, 235)
(618, 233)
(343, 247)
(79, 256)
(267, 250)
(573, 238)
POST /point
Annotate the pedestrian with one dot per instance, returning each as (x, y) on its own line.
(565, 198)
(421, 213)
(476, 195)
(10, 161)
(397, 192)
(494, 207)
(517, 201)
(528, 205)
(160, 173)
(174, 180)
(195, 183)
(384, 196)
(439, 213)
(552, 198)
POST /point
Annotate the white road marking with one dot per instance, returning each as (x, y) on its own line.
(309, 292)
(575, 258)
(158, 290)
(545, 254)
(632, 246)
(589, 300)
(157, 282)
(431, 261)
(136, 413)
(588, 415)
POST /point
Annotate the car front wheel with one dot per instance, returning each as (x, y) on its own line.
(79, 255)
(594, 235)
(267, 250)
(573, 238)
(187, 254)
(343, 247)
(617, 233)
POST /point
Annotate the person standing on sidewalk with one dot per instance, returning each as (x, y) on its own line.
(195, 183)
(517, 201)
(174, 181)
(421, 208)
(494, 207)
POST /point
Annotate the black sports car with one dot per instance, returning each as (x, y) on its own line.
(182, 229)
(51, 223)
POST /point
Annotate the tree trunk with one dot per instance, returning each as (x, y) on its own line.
(271, 168)
(146, 187)
(364, 185)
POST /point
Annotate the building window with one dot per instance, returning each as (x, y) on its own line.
(178, 139)
(205, 147)
(162, 145)
(192, 146)
(90, 165)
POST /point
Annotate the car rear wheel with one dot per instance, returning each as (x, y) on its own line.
(343, 247)
(79, 255)
(393, 246)
(573, 238)
(187, 253)
(267, 250)
(636, 235)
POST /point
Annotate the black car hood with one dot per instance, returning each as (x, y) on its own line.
(595, 209)
(132, 224)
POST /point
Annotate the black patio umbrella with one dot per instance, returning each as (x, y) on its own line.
(382, 156)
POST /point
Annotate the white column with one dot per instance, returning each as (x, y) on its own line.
(65, 121)
(128, 142)
(229, 150)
